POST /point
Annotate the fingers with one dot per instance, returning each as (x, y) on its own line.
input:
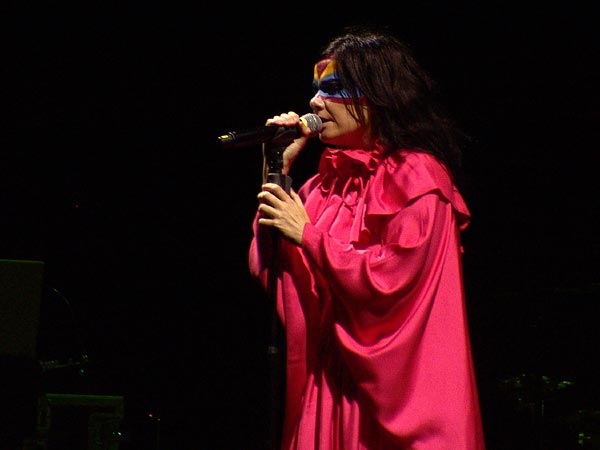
(269, 207)
(271, 198)
(266, 213)
(266, 198)
(275, 189)
(284, 119)
(295, 197)
(277, 193)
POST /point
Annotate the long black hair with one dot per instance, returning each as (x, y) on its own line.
(404, 111)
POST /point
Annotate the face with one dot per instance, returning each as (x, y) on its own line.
(331, 103)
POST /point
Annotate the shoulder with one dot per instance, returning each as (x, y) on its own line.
(417, 167)
(408, 175)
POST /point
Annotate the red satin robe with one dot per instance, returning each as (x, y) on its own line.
(378, 350)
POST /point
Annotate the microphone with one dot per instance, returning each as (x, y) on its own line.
(273, 135)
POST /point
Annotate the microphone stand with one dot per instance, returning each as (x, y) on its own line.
(273, 169)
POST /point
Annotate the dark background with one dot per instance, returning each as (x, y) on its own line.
(111, 175)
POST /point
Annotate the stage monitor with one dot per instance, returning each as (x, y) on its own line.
(21, 283)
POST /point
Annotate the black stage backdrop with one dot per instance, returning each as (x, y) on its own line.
(111, 175)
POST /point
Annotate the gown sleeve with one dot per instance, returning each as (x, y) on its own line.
(380, 285)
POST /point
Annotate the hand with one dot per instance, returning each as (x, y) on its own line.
(291, 119)
(281, 211)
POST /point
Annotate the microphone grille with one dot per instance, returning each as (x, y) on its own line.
(312, 121)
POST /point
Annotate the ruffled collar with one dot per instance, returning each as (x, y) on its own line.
(336, 162)
(371, 184)
(348, 171)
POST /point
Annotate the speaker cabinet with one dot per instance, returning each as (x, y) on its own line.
(79, 422)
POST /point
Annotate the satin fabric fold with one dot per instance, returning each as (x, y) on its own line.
(378, 347)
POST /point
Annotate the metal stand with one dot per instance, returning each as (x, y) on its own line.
(274, 165)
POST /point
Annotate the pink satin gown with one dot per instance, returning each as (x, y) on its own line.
(373, 307)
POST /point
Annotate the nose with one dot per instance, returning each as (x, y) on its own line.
(317, 102)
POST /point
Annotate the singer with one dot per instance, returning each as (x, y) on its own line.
(370, 292)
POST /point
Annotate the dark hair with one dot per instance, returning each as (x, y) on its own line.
(401, 96)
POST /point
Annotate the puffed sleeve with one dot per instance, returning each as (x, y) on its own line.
(379, 286)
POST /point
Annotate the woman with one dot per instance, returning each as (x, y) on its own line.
(369, 283)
